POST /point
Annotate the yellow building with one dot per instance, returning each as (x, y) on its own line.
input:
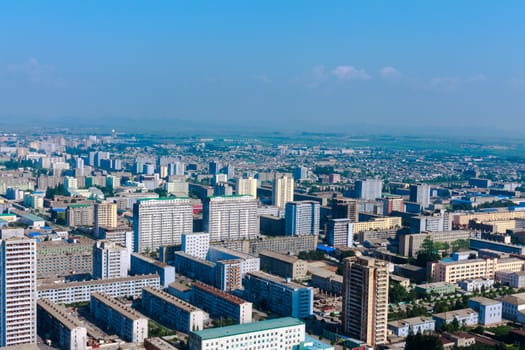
(470, 269)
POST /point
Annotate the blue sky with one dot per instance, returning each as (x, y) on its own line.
(305, 65)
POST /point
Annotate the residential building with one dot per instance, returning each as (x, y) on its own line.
(247, 186)
(161, 221)
(221, 304)
(195, 268)
(345, 208)
(512, 279)
(18, 268)
(365, 299)
(248, 262)
(282, 191)
(172, 311)
(489, 310)
(110, 260)
(414, 325)
(76, 292)
(117, 317)
(420, 194)
(80, 215)
(454, 271)
(369, 189)
(64, 257)
(56, 323)
(410, 244)
(230, 217)
(196, 244)
(340, 233)
(465, 317)
(228, 275)
(143, 265)
(282, 296)
(302, 218)
(105, 215)
(287, 266)
(512, 306)
(280, 333)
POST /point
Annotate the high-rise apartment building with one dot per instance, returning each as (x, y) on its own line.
(230, 217)
(340, 233)
(105, 215)
(369, 189)
(365, 300)
(160, 221)
(282, 191)
(302, 218)
(18, 294)
(110, 260)
(247, 186)
(345, 208)
(80, 215)
(196, 244)
(420, 194)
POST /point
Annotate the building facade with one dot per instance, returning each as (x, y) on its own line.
(282, 191)
(302, 218)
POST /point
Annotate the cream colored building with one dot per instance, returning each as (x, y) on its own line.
(381, 223)
(105, 215)
(365, 300)
(247, 186)
(283, 265)
(455, 271)
(282, 192)
(462, 220)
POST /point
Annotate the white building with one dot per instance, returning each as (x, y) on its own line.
(513, 279)
(302, 218)
(476, 284)
(17, 291)
(196, 244)
(369, 189)
(281, 333)
(247, 186)
(110, 260)
(122, 319)
(162, 221)
(489, 310)
(512, 306)
(340, 233)
(230, 218)
(282, 191)
(249, 262)
(466, 317)
(402, 328)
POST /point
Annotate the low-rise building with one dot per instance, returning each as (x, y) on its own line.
(513, 279)
(454, 271)
(141, 264)
(439, 288)
(512, 305)
(117, 317)
(75, 292)
(465, 317)
(476, 285)
(489, 310)
(286, 266)
(194, 267)
(172, 311)
(280, 333)
(57, 323)
(414, 325)
(221, 304)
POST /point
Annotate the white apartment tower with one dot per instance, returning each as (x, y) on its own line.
(369, 189)
(247, 186)
(302, 218)
(231, 217)
(110, 260)
(365, 299)
(282, 192)
(161, 221)
(196, 244)
(18, 293)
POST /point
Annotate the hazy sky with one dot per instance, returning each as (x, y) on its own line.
(312, 65)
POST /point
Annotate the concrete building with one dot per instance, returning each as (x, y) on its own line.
(76, 292)
(512, 306)
(196, 244)
(454, 271)
(280, 333)
(80, 215)
(282, 191)
(439, 288)
(302, 218)
(162, 221)
(420, 194)
(365, 300)
(410, 244)
(172, 311)
(105, 215)
(327, 281)
(287, 266)
(489, 310)
(228, 275)
(110, 260)
(221, 304)
(116, 317)
(512, 279)
(177, 188)
(340, 233)
(345, 208)
(478, 243)
(247, 186)
(414, 325)
(466, 317)
(143, 265)
(248, 262)
(280, 295)
(56, 323)
(476, 285)
(195, 268)
(64, 257)
(369, 189)
(17, 291)
(230, 217)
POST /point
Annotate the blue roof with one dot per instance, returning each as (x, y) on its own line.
(59, 210)
(34, 234)
(325, 248)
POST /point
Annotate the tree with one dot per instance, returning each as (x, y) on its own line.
(423, 341)
(428, 253)
(397, 293)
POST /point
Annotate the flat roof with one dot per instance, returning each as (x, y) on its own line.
(276, 279)
(229, 331)
(485, 301)
(282, 257)
(163, 199)
(219, 293)
(32, 217)
(47, 286)
(149, 260)
(181, 304)
(410, 321)
(122, 309)
(452, 314)
(60, 313)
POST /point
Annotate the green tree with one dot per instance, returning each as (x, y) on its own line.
(423, 341)
(428, 253)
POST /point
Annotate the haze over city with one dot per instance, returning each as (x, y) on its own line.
(339, 66)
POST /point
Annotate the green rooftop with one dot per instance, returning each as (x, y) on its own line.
(160, 199)
(221, 332)
(80, 205)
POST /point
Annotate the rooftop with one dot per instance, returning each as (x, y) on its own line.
(229, 331)
(219, 293)
(484, 301)
(410, 321)
(181, 304)
(283, 257)
(275, 279)
(47, 286)
(60, 313)
(456, 313)
(122, 309)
